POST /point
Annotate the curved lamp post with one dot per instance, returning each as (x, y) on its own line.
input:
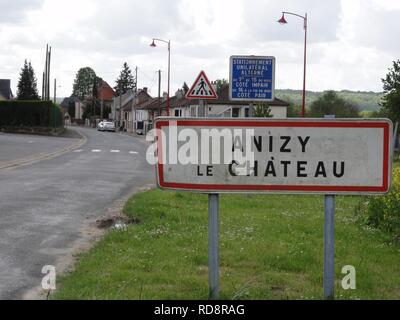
(282, 20)
(153, 44)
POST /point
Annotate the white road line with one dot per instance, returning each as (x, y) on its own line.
(133, 152)
(114, 151)
(79, 150)
(96, 150)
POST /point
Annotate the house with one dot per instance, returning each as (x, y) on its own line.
(221, 107)
(5, 89)
(123, 109)
(105, 95)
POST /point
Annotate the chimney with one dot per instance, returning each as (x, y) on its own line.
(179, 94)
(145, 89)
(164, 97)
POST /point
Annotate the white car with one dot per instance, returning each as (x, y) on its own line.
(106, 126)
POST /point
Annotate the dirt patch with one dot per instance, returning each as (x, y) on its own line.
(115, 222)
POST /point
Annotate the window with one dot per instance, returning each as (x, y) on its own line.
(235, 112)
(246, 112)
(178, 112)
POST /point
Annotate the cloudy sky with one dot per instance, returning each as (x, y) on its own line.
(351, 43)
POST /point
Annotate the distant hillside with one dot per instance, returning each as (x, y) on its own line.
(365, 100)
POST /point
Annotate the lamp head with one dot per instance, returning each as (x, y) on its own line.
(153, 44)
(282, 20)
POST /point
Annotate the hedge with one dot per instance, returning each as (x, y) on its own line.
(18, 113)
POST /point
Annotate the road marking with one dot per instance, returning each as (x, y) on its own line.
(79, 150)
(114, 151)
(132, 152)
(96, 150)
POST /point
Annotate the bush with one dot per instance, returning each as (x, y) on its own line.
(30, 114)
(383, 212)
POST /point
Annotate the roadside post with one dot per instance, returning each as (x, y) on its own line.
(202, 89)
(213, 244)
(329, 247)
(329, 241)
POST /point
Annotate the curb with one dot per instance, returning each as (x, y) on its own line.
(43, 156)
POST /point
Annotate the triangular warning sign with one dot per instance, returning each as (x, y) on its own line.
(201, 88)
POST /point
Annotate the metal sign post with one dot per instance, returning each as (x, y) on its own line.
(329, 242)
(329, 247)
(213, 254)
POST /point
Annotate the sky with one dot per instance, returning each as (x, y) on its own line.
(350, 43)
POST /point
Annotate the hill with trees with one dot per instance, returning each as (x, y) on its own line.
(365, 100)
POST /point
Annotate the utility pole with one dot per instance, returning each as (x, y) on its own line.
(45, 73)
(48, 76)
(133, 109)
(159, 84)
(43, 87)
(55, 90)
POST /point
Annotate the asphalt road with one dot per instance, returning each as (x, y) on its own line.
(44, 205)
(17, 146)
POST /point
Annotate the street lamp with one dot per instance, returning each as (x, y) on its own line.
(169, 65)
(282, 20)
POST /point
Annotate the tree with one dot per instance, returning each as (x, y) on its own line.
(125, 81)
(331, 103)
(262, 110)
(391, 89)
(185, 87)
(93, 105)
(220, 83)
(83, 83)
(293, 111)
(27, 84)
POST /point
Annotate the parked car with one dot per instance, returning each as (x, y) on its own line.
(106, 126)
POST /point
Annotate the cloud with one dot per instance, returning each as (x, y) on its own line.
(14, 12)
(349, 42)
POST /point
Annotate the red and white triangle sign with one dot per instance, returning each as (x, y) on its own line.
(201, 88)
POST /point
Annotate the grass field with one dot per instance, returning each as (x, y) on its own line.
(271, 247)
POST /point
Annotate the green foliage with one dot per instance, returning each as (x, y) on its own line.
(331, 103)
(30, 114)
(220, 83)
(125, 81)
(383, 212)
(293, 111)
(365, 100)
(391, 88)
(83, 83)
(27, 83)
(262, 110)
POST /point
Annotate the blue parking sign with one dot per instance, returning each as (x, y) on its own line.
(252, 78)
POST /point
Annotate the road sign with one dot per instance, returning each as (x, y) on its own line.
(252, 78)
(201, 88)
(324, 156)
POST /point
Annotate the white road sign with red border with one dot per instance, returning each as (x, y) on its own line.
(323, 156)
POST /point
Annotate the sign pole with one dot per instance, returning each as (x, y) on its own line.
(213, 258)
(329, 247)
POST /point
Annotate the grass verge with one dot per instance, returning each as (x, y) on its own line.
(271, 247)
